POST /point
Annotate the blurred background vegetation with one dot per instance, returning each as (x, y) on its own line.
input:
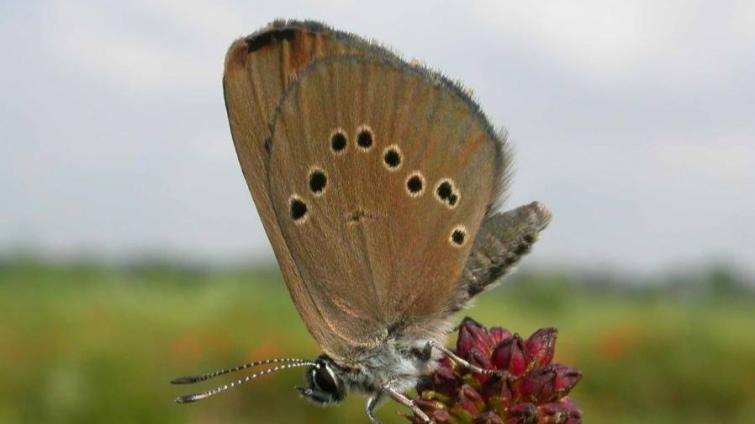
(82, 341)
(628, 119)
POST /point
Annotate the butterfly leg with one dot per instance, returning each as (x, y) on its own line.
(461, 361)
(402, 399)
(372, 403)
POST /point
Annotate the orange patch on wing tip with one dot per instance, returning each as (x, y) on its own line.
(236, 57)
(300, 51)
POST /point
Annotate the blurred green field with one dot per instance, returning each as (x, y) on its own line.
(86, 344)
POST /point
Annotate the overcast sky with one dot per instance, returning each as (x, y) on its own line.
(633, 121)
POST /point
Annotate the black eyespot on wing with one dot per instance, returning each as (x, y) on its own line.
(338, 142)
(458, 237)
(298, 209)
(364, 139)
(447, 193)
(392, 158)
(445, 190)
(414, 184)
(317, 181)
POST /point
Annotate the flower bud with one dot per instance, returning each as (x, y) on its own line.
(510, 356)
(540, 347)
(489, 417)
(472, 335)
(538, 386)
(470, 400)
(497, 389)
(498, 335)
(566, 378)
(524, 413)
(562, 412)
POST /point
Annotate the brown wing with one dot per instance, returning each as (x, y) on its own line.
(504, 238)
(380, 175)
(258, 70)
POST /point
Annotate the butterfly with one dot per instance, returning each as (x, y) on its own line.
(377, 182)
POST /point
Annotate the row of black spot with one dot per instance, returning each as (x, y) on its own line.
(318, 181)
(392, 158)
(338, 142)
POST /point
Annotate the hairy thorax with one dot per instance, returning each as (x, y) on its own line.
(397, 362)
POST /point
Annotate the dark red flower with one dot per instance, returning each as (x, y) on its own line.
(541, 346)
(528, 388)
(510, 355)
(562, 412)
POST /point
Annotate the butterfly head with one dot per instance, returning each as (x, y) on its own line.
(325, 384)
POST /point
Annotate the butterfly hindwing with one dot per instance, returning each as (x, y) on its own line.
(379, 231)
(501, 242)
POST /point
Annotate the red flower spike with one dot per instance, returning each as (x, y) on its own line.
(441, 416)
(489, 417)
(499, 335)
(558, 413)
(541, 346)
(445, 381)
(470, 400)
(479, 358)
(497, 388)
(566, 378)
(472, 335)
(510, 356)
(428, 404)
(539, 385)
(524, 413)
(527, 389)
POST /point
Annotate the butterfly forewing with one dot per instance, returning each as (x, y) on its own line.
(379, 226)
(258, 70)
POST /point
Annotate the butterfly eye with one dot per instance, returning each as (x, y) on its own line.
(324, 380)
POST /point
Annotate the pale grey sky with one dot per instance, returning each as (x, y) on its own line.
(633, 121)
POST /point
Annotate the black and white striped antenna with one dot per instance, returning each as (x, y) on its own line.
(285, 363)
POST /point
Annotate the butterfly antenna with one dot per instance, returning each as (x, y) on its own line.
(204, 395)
(198, 378)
